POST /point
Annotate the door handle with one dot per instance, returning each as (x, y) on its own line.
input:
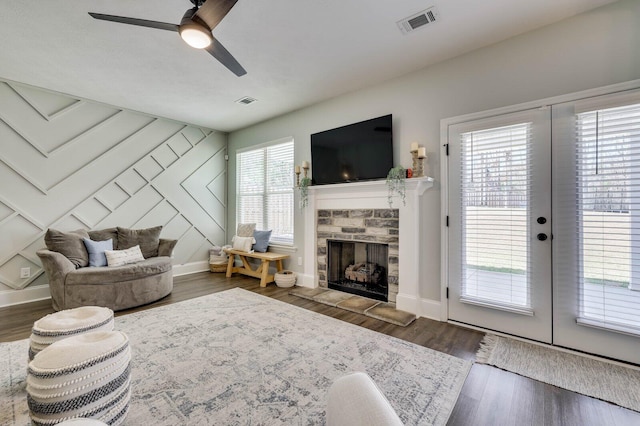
(542, 220)
(542, 237)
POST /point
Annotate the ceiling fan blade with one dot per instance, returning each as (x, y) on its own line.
(219, 52)
(212, 11)
(135, 21)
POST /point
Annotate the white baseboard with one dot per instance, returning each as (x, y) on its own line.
(431, 309)
(29, 294)
(420, 307)
(407, 303)
(190, 268)
(306, 280)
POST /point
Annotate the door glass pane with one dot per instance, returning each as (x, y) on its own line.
(608, 182)
(495, 167)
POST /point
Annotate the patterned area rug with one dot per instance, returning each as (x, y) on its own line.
(238, 358)
(588, 376)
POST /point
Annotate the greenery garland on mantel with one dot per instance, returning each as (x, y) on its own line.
(396, 184)
(304, 191)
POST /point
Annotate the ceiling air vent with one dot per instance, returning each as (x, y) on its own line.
(418, 20)
(246, 100)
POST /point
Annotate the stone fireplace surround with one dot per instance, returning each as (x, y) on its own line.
(359, 225)
(371, 195)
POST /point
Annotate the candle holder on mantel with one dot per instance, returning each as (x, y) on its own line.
(416, 163)
(305, 169)
(418, 157)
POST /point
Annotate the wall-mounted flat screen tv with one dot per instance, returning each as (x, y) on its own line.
(356, 152)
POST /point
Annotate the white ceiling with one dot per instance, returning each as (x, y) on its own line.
(296, 52)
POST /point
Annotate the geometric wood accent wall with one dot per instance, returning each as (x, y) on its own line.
(68, 163)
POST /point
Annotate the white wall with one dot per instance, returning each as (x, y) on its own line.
(594, 49)
(68, 163)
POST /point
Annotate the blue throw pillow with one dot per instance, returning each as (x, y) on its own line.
(96, 251)
(262, 240)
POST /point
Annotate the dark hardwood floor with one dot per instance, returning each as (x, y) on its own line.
(490, 396)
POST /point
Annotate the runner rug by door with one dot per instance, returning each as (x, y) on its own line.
(603, 380)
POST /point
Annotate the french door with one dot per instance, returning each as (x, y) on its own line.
(596, 197)
(499, 223)
(544, 224)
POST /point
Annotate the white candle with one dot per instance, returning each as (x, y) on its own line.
(297, 170)
(305, 164)
(422, 152)
(414, 146)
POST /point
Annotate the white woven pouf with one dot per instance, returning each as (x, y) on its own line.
(67, 323)
(87, 375)
(82, 422)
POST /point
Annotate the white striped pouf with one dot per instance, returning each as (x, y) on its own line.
(87, 375)
(67, 323)
(82, 422)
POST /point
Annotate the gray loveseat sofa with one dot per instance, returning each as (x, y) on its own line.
(73, 283)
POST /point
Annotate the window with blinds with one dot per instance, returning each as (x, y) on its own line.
(495, 167)
(608, 209)
(264, 190)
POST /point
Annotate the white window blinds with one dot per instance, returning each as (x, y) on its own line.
(265, 190)
(608, 209)
(495, 167)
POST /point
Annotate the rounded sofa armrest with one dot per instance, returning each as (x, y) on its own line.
(55, 262)
(165, 247)
(57, 266)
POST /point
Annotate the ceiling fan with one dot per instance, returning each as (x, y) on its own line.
(195, 28)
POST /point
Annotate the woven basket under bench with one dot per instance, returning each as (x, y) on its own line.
(218, 263)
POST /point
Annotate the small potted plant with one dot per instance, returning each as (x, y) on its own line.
(304, 191)
(396, 184)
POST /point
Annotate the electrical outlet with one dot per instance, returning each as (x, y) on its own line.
(25, 272)
(299, 261)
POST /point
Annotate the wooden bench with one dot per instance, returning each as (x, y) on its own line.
(262, 271)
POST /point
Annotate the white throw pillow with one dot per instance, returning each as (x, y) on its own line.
(123, 257)
(245, 229)
(243, 243)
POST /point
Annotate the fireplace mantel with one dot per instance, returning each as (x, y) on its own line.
(419, 185)
(373, 195)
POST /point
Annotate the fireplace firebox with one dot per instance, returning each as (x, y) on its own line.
(359, 268)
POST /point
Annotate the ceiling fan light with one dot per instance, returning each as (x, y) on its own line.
(195, 36)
